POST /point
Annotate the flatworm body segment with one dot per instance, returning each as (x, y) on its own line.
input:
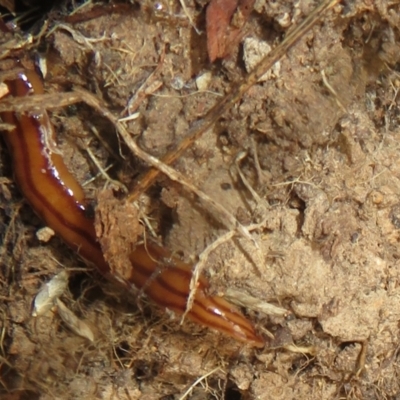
(59, 200)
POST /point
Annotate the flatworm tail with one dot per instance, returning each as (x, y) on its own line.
(59, 200)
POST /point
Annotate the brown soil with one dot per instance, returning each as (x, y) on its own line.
(321, 143)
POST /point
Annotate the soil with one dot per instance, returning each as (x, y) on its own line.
(319, 142)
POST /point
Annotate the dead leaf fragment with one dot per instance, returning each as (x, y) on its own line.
(225, 20)
(49, 293)
(76, 325)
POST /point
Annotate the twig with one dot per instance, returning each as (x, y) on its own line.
(260, 175)
(237, 91)
(103, 172)
(253, 303)
(150, 85)
(39, 102)
(186, 11)
(245, 182)
(198, 381)
(203, 259)
(333, 92)
(226, 218)
(199, 268)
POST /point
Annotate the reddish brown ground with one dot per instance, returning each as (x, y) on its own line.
(328, 181)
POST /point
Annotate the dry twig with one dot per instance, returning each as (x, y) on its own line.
(236, 92)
